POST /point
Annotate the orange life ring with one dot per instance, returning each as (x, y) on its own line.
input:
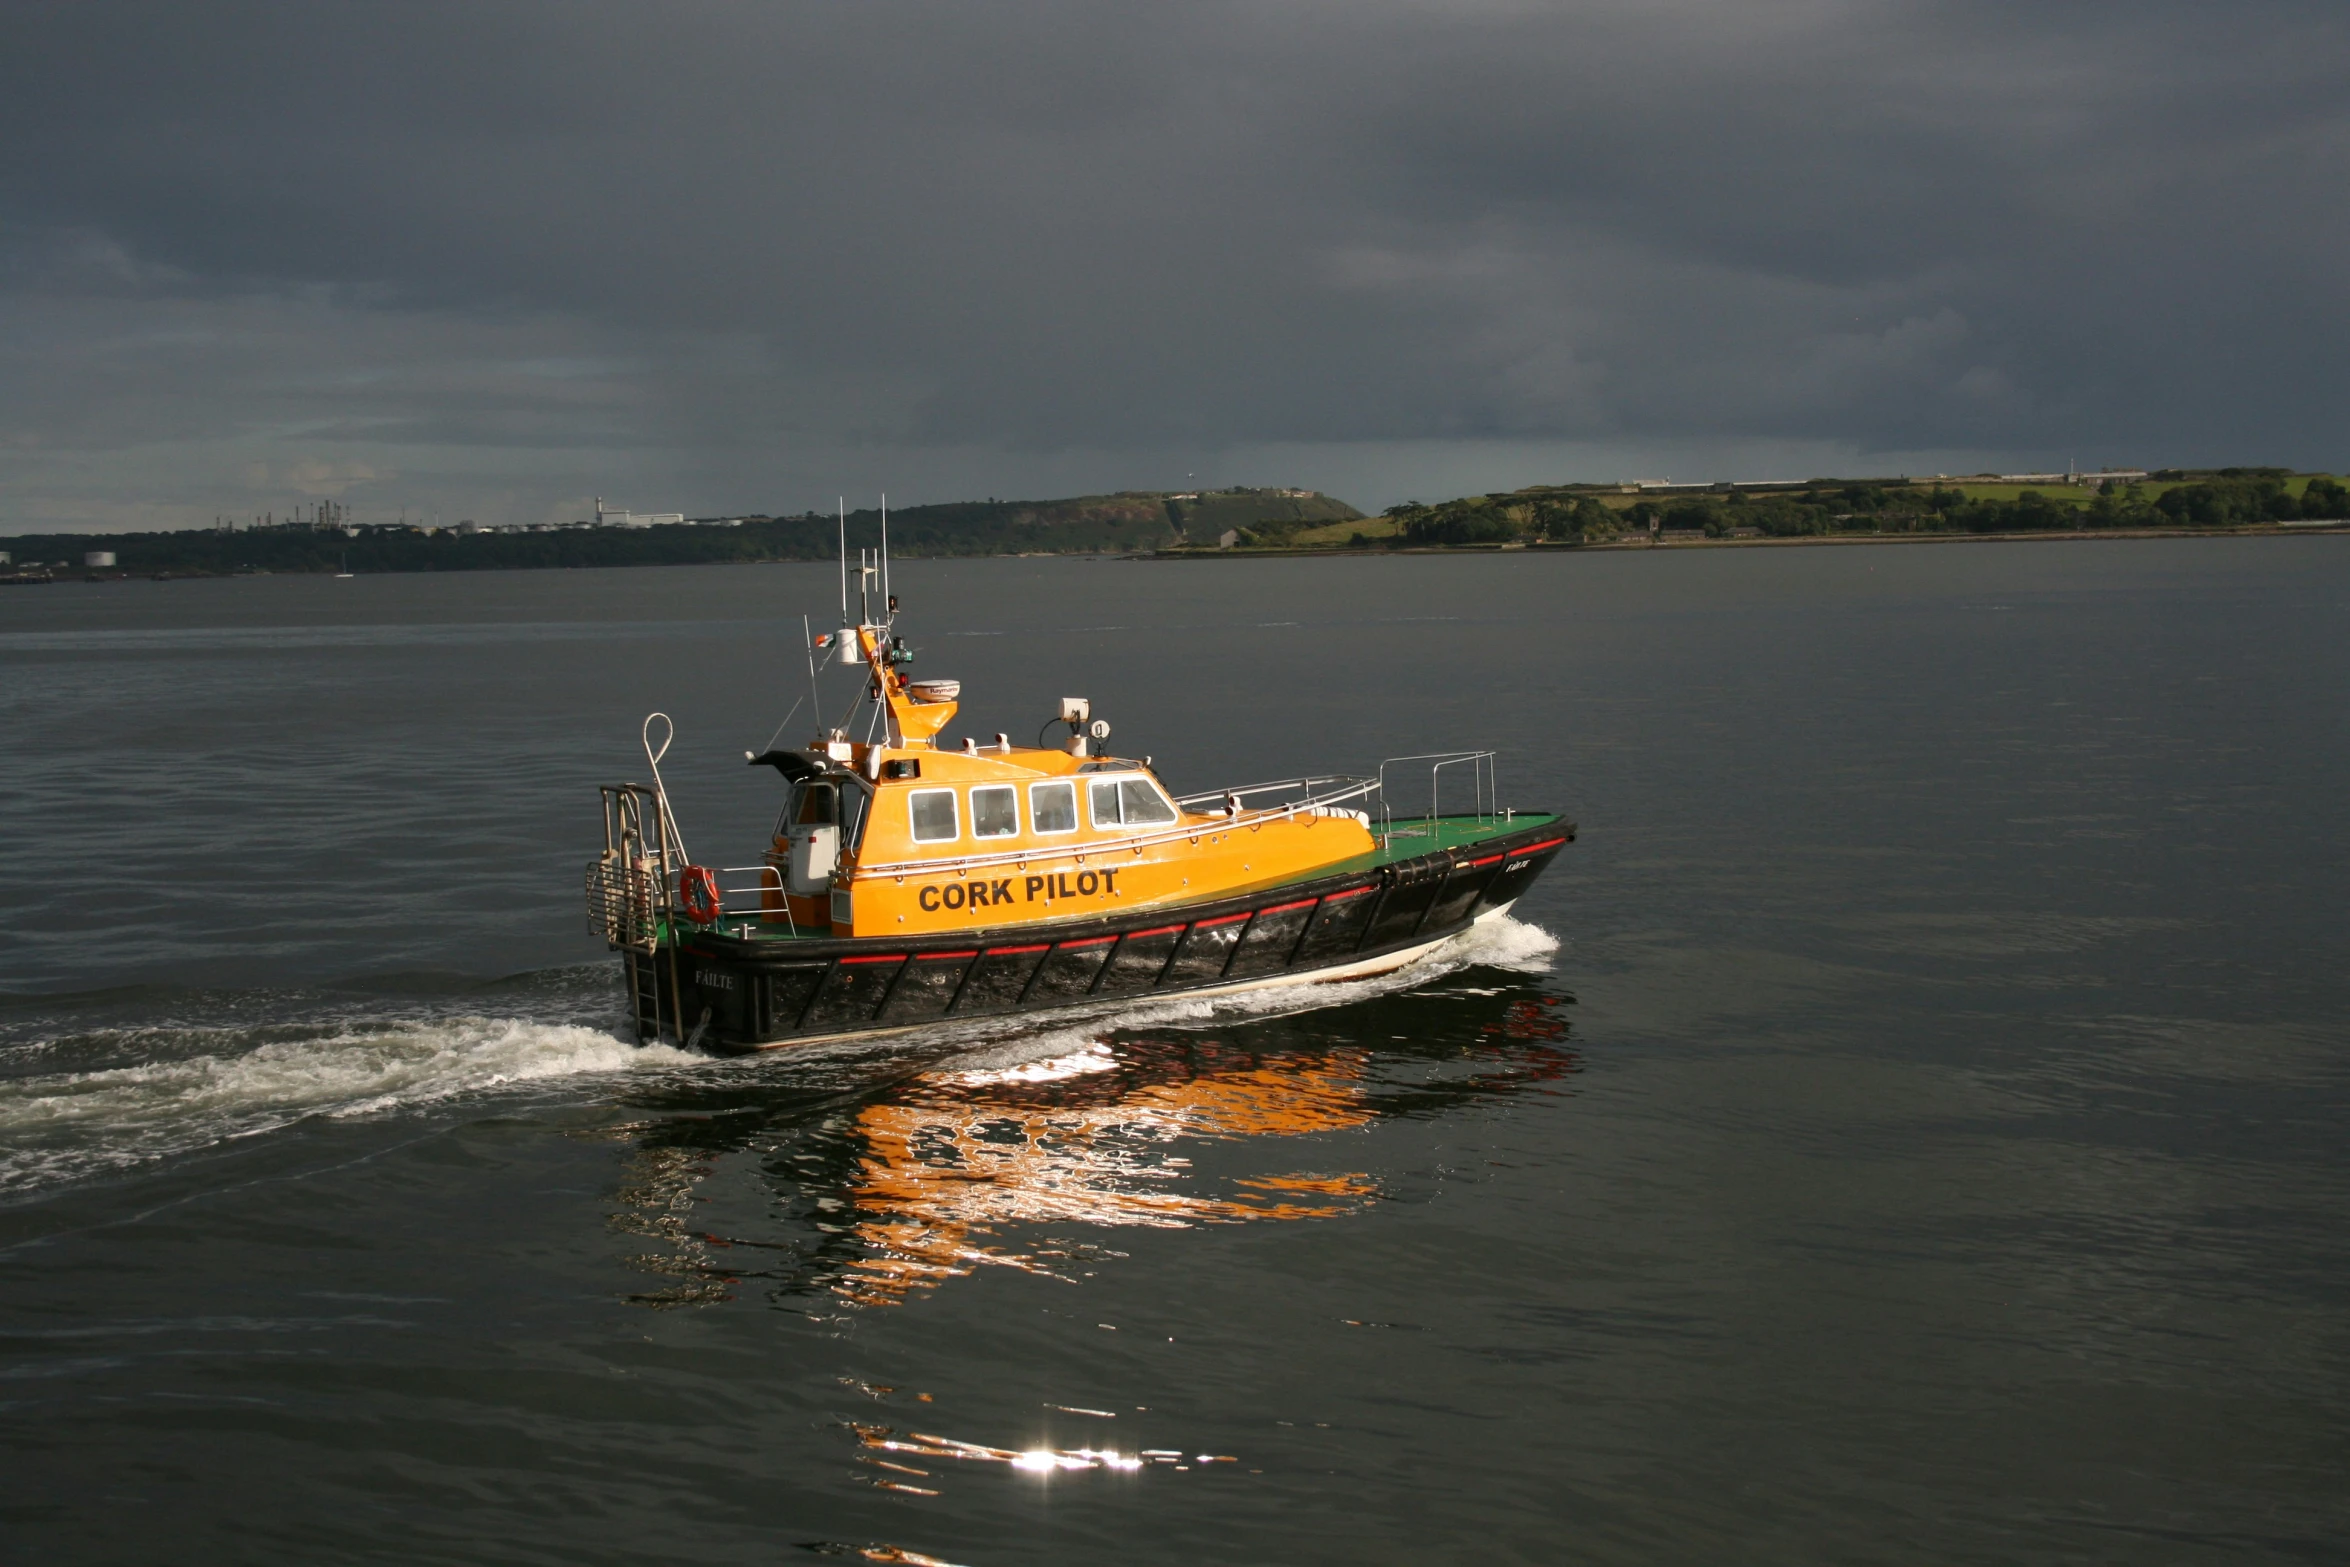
(697, 893)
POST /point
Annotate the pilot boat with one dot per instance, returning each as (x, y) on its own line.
(915, 880)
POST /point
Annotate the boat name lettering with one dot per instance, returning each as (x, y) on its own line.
(713, 979)
(954, 895)
(1071, 884)
(1050, 888)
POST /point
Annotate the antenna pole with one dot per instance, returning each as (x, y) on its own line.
(844, 558)
(885, 552)
(808, 646)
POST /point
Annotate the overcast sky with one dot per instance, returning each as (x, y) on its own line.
(490, 260)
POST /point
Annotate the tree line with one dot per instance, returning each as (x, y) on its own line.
(1087, 525)
(2231, 498)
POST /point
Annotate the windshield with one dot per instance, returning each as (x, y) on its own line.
(855, 796)
(1127, 802)
(811, 803)
(837, 800)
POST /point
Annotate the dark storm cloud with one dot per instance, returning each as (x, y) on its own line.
(718, 247)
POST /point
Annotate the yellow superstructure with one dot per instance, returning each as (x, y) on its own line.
(965, 841)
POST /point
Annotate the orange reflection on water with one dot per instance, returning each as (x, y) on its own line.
(963, 1156)
(923, 1183)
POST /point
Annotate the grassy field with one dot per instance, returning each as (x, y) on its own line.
(1379, 530)
(2060, 494)
(1341, 533)
(2069, 494)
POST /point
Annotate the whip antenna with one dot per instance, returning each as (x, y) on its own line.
(808, 646)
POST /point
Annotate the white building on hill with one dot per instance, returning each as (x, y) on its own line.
(629, 519)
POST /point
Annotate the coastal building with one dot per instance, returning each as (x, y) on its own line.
(628, 519)
(2074, 476)
(98, 560)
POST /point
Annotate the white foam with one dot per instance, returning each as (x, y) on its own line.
(1504, 941)
(59, 1125)
(1093, 1057)
(1063, 1048)
(62, 1126)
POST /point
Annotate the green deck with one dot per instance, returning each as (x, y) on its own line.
(1409, 837)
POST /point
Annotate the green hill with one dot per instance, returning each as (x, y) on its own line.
(1264, 516)
(1086, 524)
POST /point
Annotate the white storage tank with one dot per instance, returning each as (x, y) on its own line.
(97, 559)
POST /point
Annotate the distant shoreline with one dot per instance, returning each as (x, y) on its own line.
(1801, 541)
(2311, 529)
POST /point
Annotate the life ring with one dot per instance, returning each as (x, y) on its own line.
(697, 893)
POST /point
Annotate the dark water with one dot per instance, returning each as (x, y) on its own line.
(1907, 1127)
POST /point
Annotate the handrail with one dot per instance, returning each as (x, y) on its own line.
(1307, 782)
(773, 880)
(632, 886)
(1485, 771)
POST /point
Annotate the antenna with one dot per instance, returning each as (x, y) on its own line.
(885, 551)
(808, 646)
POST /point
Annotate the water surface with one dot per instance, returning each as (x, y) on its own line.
(1905, 1127)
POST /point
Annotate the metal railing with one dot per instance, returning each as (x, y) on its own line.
(632, 900)
(632, 886)
(1484, 783)
(770, 879)
(1321, 789)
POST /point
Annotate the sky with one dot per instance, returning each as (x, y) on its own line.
(492, 260)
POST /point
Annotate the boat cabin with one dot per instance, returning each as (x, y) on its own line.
(907, 835)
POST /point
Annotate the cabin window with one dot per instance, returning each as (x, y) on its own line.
(1128, 802)
(1052, 807)
(854, 797)
(810, 804)
(934, 815)
(995, 811)
(1142, 803)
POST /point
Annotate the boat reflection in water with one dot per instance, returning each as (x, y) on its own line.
(1091, 1137)
(967, 1167)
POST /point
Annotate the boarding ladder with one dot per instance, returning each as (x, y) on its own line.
(632, 903)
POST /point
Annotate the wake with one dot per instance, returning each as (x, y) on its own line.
(197, 1088)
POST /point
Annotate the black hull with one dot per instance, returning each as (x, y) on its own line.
(734, 993)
